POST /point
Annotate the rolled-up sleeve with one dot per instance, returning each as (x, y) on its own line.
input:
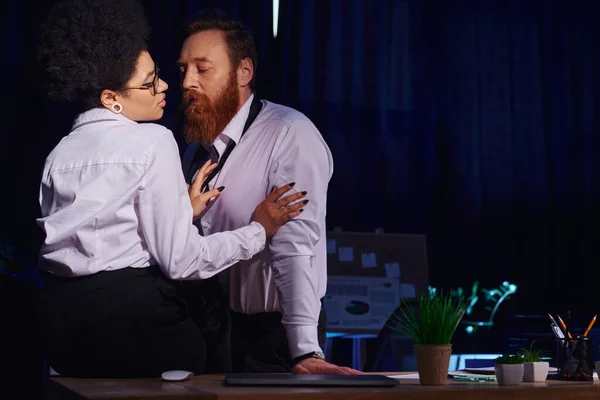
(303, 157)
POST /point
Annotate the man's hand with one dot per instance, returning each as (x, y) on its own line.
(315, 366)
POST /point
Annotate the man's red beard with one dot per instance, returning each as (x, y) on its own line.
(206, 119)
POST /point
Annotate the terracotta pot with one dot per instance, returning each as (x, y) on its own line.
(433, 362)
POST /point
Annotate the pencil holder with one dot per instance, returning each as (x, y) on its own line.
(574, 359)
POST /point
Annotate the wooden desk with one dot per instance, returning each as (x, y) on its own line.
(211, 387)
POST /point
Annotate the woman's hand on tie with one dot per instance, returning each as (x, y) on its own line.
(275, 211)
(197, 198)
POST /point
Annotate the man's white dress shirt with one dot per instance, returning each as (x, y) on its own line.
(113, 196)
(290, 275)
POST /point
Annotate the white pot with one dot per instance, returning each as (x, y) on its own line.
(509, 374)
(535, 371)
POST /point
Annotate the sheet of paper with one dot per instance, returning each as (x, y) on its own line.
(408, 291)
(467, 377)
(462, 372)
(407, 376)
(489, 370)
(346, 254)
(331, 246)
(392, 270)
(368, 260)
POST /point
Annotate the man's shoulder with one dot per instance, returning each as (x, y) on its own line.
(286, 121)
(286, 114)
(292, 128)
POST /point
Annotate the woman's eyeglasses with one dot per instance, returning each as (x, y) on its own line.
(151, 86)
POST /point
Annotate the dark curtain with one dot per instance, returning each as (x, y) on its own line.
(470, 121)
(473, 122)
(516, 146)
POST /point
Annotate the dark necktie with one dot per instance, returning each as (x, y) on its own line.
(213, 155)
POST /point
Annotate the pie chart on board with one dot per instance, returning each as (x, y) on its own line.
(356, 307)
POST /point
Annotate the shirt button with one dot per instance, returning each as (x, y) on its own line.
(205, 225)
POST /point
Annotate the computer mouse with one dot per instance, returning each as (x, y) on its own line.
(176, 375)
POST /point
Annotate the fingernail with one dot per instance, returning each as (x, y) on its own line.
(292, 184)
(304, 192)
(221, 188)
(305, 201)
(302, 209)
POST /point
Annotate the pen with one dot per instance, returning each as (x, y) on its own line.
(562, 325)
(587, 330)
(557, 332)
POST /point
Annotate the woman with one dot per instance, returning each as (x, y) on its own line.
(116, 210)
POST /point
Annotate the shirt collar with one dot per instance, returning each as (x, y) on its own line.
(99, 114)
(233, 130)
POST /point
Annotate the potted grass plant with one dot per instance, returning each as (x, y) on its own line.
(534, 368)
(431, 325)
(509, 369)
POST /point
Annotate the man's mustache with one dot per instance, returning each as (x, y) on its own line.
(192, 100)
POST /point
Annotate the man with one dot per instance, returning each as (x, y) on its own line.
(278, 322)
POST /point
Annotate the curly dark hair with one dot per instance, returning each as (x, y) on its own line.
(239, 38)
(87, 46)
